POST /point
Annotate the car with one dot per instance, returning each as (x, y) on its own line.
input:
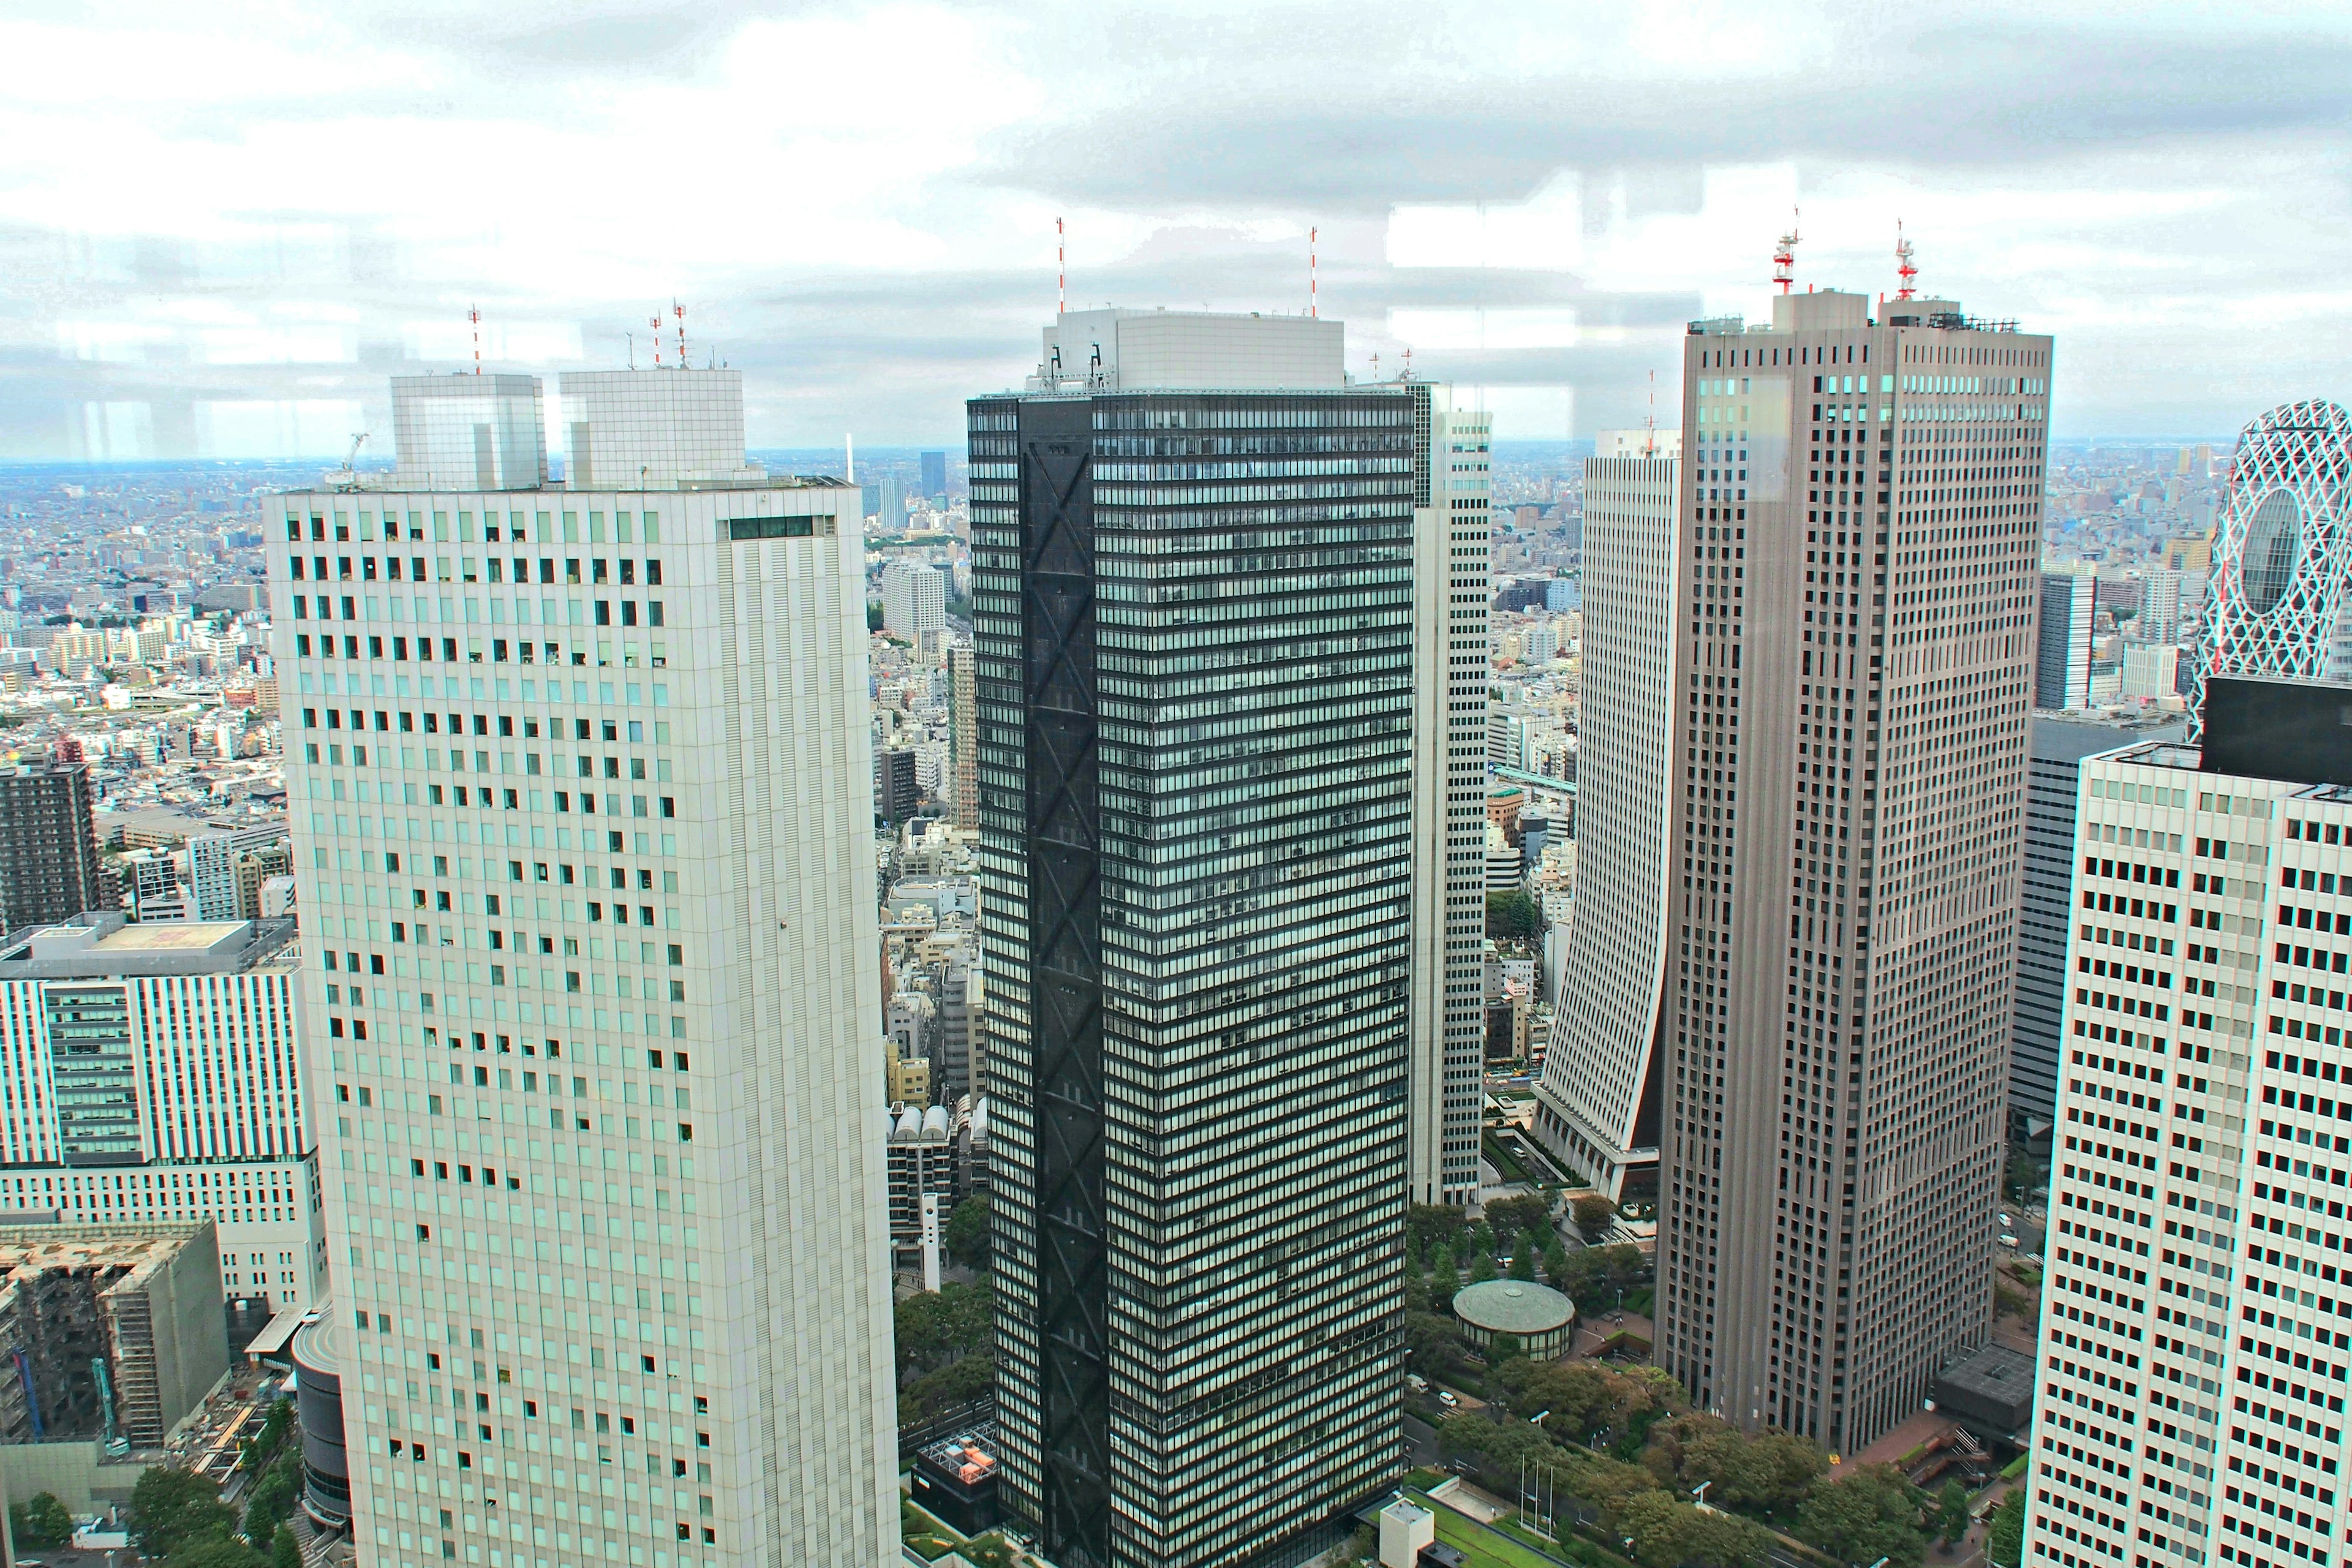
(1417, 1382)
(1445, 1398)
(2009, 1241)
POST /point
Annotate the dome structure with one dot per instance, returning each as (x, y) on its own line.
(1537, 1316)
(2280, 601)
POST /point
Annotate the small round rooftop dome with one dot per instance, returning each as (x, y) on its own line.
(1539, 1316)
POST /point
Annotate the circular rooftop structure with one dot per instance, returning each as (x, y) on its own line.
(1539, 1316)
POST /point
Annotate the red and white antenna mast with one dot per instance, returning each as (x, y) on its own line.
(679, 310)
(474, 314)
(1313, 300)
(1784, 256)
(1061, 271)
(1903, 267)
(656, 323)
(1650, 422)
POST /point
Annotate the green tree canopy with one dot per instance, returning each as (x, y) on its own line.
(1870, 1514)
(1529, 1212)
(1433, 1225)
(172, 1507)
(1670, 1533)
(1952, 1512)
(965, 1235)
(40, 1521)
(1592, 1213)
(2005, 1532)
(935, 1327)
(215, 1551)
(1514, 916)
(1482, 1268)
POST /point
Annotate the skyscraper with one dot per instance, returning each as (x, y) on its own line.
(1853, 669)
(2062, 664)
(1598, 1101)
(1198, 622)
(49, 870)
(963, 735)
(2280, 601)
(935, 474)
(914, 599)
(2191, 1377)
(579, 779)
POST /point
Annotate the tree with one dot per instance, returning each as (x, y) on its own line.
(1514, 916)
(2005, 1532)
(41, 1522)
(171, 1508)
(1433, 1225)
(1868, 1515)
(966, 1232)
(1523, 1259)
(1555, 1260)
(1592, 1213)
(1443, 1282)
(215, 1551)
(287, 1552)
(1952, 1512)
(1529, 1212)
(1669, 1533)
(1482, 1268)
(1504, 1347)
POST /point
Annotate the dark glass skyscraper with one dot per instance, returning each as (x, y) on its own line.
(1194, 641)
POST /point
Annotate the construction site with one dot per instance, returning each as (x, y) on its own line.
(111, 1332)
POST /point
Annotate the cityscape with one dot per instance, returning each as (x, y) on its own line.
(1272, 865)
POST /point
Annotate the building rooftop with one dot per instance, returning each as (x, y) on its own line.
(1514, 1307)
(100, 944)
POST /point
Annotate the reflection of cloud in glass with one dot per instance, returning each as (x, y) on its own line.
(116, 432)
(309, 344)
(316, 428)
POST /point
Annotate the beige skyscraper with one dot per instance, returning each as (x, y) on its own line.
(963, 735)
(1859, 539)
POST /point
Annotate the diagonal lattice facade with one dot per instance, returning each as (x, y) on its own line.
(2281, 598)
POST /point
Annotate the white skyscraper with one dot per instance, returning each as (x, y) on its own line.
(579, 784)
(1453, 589)
(2194, 1356)
(2061, 663)
(914, 599)
(1597, 1102)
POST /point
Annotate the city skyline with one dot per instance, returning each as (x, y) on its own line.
(250, 299)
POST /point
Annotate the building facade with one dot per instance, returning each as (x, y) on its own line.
(49, 868)
(581, 793)
(216, 875)
(155, 1079)
(2193, 1373)
(1598, 1101)
(914, 599)
(963, 726)
(2280, 598)
(1194, 594)
(2061, 663)
(1859, 544)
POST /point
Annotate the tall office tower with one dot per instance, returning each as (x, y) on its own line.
(1202, 796)
(2045, 917)
(964, 728)
(935, 474)
(2061, 662)
(1858, 543)
(579, 779)
(2192, 1375)
(2280, 598)
(1598, 1101)
(156, 1079)
(2159, 605)
(213, 875)
(890, 504)
(49, 870)
(914, 599)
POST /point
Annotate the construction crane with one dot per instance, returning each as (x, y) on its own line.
(347, 478)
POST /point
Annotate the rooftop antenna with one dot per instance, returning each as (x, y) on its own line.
(1406, 374)
(1376, 364)
(474, 314)
(1061, 271)
(1314, 299)
(656, 324)
(1784, 256)
(679, 310)
(849, 457)
(1903, 267)
(633, 349)
(1650, 441)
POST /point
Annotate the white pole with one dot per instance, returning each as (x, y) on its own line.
(930, 1241)
(849, 458)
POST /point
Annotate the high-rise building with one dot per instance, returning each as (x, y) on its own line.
(935, 475)
(49, 870)
(2280, 601)
(213, 861)
(2159, 606)
(1597, 1104)
(2045, 915)
(1853, 667)
(1207, 774)
(2192, 1374)
(914, 599)
(2061, 663)
(156, 1079)
(580, 800)
(963, 730)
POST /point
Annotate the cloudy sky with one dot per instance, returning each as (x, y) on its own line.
(222, 225)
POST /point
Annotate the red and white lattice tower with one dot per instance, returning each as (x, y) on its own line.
(474, 314)
(1313, 300)
(679, 310)
(1061, 271)
(1903, 264)
(1784, 255)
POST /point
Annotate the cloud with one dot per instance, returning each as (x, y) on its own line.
(229, 224)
